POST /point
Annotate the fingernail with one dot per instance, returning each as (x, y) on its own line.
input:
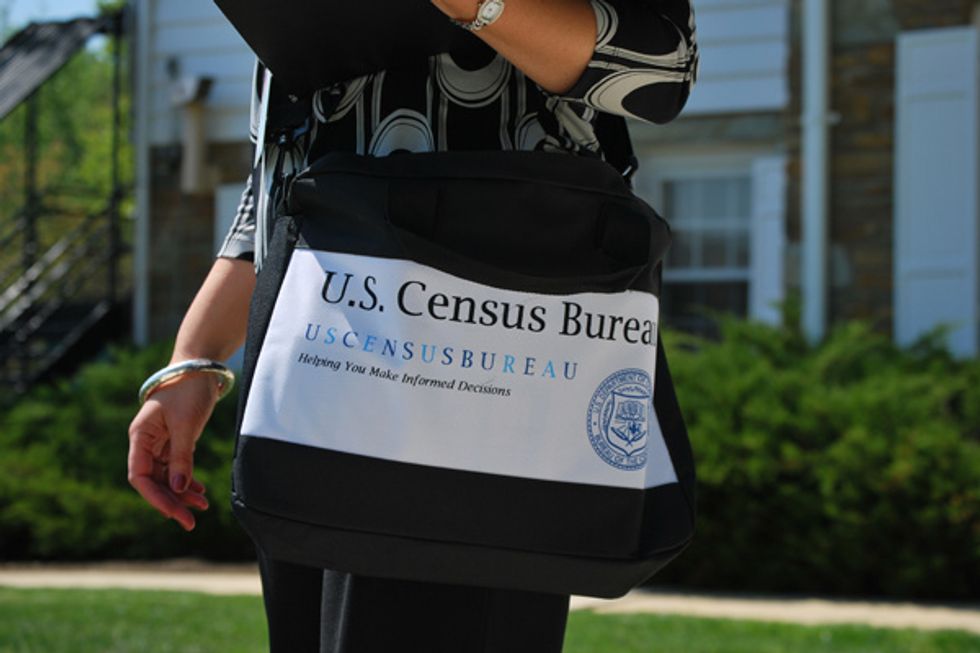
(178, 483)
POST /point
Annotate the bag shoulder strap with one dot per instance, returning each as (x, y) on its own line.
(614, 138)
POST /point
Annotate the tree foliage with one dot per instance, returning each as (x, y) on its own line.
(75, 123)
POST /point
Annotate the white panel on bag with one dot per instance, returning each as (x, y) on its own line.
(542, 400)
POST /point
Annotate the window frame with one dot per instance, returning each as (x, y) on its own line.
(766, 170)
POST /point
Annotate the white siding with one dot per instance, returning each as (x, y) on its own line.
(196, 35)
(744, 47)
(936, 174)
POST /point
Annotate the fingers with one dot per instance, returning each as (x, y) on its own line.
(189, 404)
(161, 452)
(165, 501)
(193, 497)
(158, 495)
(195, 500)
(150, 469)
(197, 486)
(181, 462)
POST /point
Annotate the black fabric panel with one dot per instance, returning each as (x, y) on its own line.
(352, 492)
(422, 560)
(267, 284)
(574, 173)
(668, 516)
(675, 431)
(570, 225)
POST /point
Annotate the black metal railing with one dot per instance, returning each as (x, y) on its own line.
(63, 270)
(49, 307)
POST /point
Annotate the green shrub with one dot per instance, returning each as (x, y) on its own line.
(852, 467)
(63, 487)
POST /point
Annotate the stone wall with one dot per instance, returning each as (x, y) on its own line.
(861, 181)
(182, 231)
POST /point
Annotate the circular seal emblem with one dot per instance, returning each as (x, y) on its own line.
(619, 419)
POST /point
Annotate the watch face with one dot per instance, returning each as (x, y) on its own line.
(491, 10)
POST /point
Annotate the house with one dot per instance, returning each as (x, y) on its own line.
(829, 149)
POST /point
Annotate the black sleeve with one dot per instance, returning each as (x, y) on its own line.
(645, 61)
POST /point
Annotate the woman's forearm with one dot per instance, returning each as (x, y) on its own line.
(550, 41)
(164, 431)
(215, 323)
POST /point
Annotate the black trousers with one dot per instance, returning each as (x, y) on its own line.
(312, 610)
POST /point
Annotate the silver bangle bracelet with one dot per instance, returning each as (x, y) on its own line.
(225, 381)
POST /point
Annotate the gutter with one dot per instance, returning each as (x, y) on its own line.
(815, 29)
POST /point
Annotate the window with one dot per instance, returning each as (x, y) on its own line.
(707, 266)
(726, 218)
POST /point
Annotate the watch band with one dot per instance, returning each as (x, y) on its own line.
(487, 12)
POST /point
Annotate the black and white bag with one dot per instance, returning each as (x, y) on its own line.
(453, 370)
(453, 373)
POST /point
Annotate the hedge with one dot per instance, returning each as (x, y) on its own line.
(848, 468)
(852, 467)
(63, 488)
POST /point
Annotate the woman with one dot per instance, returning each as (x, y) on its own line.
(534, 78)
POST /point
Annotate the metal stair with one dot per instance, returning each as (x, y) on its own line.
(63, 292)
(47, 310)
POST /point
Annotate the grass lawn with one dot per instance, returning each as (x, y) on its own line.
(118, 621)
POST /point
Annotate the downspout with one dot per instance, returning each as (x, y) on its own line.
(816, 100)
(141, 237)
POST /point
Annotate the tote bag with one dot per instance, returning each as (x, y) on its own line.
(453, 373)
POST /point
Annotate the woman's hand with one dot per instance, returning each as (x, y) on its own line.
(162, 437)
(163, 433)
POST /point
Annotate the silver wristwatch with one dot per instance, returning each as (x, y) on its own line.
(487, 12)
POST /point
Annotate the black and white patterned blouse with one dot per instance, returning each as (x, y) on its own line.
(644, 66)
